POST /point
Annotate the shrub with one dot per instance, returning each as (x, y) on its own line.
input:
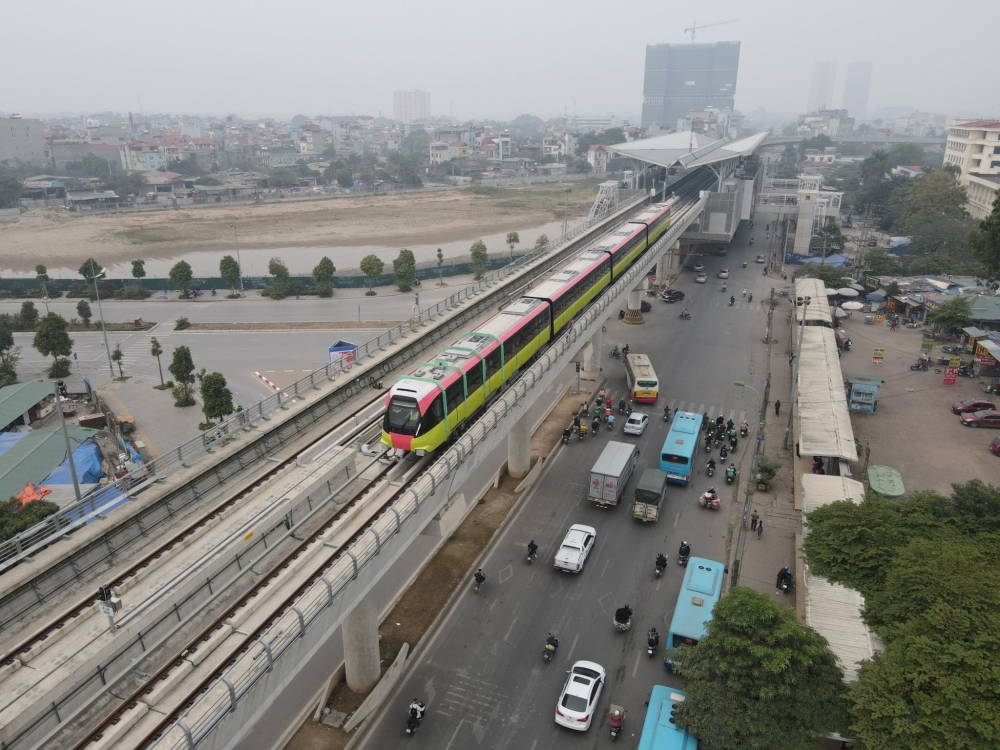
(323, 289)
(15, 517)
(181, 323)
(61, 368)
(134, 292)
(183, 396)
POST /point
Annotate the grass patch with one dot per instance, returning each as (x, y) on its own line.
(143, 236)
(96, 326)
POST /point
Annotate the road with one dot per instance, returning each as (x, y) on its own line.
(481, 673)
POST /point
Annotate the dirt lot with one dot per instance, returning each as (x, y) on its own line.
(322, 325)
(63, 239)
(913, 429)
(423, 601)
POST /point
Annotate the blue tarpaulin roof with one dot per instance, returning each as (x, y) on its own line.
(86, 459)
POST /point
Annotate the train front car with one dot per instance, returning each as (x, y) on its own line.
(411, 422)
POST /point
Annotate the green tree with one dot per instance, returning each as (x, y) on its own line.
(875, 166)
(541, 242)
(907, 154)
(83, 310)
(229, 270)
(279, 286)
(416, 143)
(404, 267)
(778, 680)
(345, 177)
(892, 289)
(138, 271)
(42, 277)
(440, 262)
(512, 239)
(126, 183)
(117, 356)
(217, 399)
(479, 256)
(985, 244)
(182, 368)
(371, 266)
(952, 315)
(323, 277)
(284, 177)
(28, 316)
(94, 166)
(788, 167)
(953, 169)
(11, 188)
(835, 240)
(181, 275)
(10, 355)
(91, 270)
(880, 263)
(52, 339)
(156, 350)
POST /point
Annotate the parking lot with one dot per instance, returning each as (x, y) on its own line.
(913, 429)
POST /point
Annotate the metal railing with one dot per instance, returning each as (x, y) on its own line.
(103, 500)
(216, 702)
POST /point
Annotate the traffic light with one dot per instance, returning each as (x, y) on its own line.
(578, 367)
(104, 593)
(416, 298)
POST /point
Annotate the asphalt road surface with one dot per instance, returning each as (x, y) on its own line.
(481, 674)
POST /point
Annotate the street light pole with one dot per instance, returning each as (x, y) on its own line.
(795, 374)
(69, 448)
(566, 209)
(100, 312)
(238, 263)
(748, 496)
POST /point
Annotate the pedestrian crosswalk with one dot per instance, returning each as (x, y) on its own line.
(709, 409)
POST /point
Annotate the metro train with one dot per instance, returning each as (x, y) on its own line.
(426, 407)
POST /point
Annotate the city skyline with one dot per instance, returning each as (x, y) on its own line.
(473, 73)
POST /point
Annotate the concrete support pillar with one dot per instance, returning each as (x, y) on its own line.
(592, 363)
(519, 448)
(633, 316)
(361, 657)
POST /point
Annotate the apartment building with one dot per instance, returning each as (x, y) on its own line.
(411, 106)
(21, 141)
(974, 147)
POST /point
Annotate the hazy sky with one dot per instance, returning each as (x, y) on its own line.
(257, 57)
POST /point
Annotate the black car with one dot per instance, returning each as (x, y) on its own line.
(672, 295)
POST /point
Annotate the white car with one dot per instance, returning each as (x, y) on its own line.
(701, 279)
(636, 423)
(699, 266)
(574, 549)
(724, 274)
(579, 695)
(760, 259)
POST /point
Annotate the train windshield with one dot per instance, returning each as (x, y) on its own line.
(403, 416)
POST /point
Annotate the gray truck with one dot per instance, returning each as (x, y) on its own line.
(611, 473)
(649, 495)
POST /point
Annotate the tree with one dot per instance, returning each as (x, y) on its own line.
(345, 177)
(116, 357)
(83, 310)
(324, 270)
(479, 256)
(279, 287)
(875, 166)
(440, 261)
(182, 368)
(126, 183)
(416, 143)
(11, 187)
(778, 680)
(156, 350)
(404, 267)
(953, 169)
(284, 177)
(512, 239)
(880, 263)
(834, 239)
(985, 244)
(952, 315)
(28, 316)
(229, 270)
(138, 271)
(907, 154)
(541, 242)
(91, 270)
(788, 167)
(42, 277)
(52, 339)
(9, 356)
(371, 267)
(217, 399)
(181, 275)
(892, 289)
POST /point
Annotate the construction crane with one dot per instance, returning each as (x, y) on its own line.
(694, 26)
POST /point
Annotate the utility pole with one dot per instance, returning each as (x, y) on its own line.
(100, 311)
(237, 236)
(69, 448)
(798, 360)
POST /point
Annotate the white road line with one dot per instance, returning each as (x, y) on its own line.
(507, 635)
(448, 746)
(573, 647)
(635, 669)
(605, 567)
(677, 517)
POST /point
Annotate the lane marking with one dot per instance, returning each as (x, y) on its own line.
(507, 635)
(606, 562)
(448, 746)
(573, 647)
(635, 669)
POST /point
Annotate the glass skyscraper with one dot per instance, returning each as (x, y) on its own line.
(681, 78)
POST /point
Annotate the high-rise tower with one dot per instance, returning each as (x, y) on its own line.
(685, 77)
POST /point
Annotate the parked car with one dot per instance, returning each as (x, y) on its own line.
(701, 278)
(721, 251)
(972, 404)
(987, 418)
(575, 547)
(672, 295)
(995, 446)
(760, 259)
(699, 266)
(579, 696)
(636, 423)
(724, 273)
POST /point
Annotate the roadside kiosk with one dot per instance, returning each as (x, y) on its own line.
(862, 393)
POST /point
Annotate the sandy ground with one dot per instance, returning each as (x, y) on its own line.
(60, 239)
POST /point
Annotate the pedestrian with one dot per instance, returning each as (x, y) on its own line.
(777, 408)
(760, 527)
(753, 520)
(815, 466)
(791, 358)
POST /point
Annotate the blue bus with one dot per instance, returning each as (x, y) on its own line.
(701, 589)
(659, 730)
(677, 455)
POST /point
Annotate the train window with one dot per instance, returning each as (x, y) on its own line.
(493, 363)
(456, 395)
(433, 416)
(474, 377)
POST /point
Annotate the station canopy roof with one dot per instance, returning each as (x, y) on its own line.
(824, 421)
(687, 150)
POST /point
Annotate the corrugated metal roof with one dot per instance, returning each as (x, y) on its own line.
(819, 306)
(686, 149)
(824, 423)
(16, 399)
(35, 456)
(819, 490)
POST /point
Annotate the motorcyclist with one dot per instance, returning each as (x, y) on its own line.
(711, 494)
(731, 470)
(615, 351)
(532, 548)
(652, 638)
(708, 442)
(623, 614)
(480, 577)
(704, 420)
(621, 406)
(611, 421)
(621, 314)
(732, 300)
(723, 451)
(615, 718)
(744, 291)
(666, 412)
(711, 464)
(719, 421)
(596, 425)
(685, 314)
(661, 561)
(744, 264)
(685, 550)
(729, 424)
(749, 296)
(576, 422)
(551, 640)
(784, 575)
(751, 245)
(417, 709)
(767, 227)
(732, 431)
(744, 427)
(625, 350)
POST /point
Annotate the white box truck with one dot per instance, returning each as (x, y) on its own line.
(611, 473)
(649, 492)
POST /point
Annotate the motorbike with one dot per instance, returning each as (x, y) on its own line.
(660, 568)
(786, 581)
(532, 556)
(723, 286)
(583, 432)
(652, 641)
(682, 560)
(751, 245)
(710, 500)
(965, 372)
(621, 627)
(596, 426)
(730, 476)
(723, 451)
(621, 314)
(615, 353)
(412, 722)
(621, 406)
(710, 469)
(708, 446)
(743, 431)
(744, 264)
(549, 652)
(616, 723)
(733, 440)
(685, 316)
(732, 301)
(919, 365)
(666, 415)
(567, 433)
